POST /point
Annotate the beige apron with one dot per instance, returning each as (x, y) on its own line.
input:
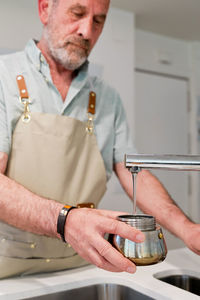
(57, 158)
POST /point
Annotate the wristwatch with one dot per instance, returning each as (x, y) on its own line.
(62, 220)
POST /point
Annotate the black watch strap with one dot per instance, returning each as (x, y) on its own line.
(62, 220)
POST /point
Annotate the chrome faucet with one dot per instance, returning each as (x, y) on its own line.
(137, 162)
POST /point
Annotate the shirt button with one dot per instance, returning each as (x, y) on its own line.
(69, 246)
(3, 240)
(47, 260)
(32, 246)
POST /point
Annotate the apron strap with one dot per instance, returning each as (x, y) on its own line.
(92, 103)
(88, 205)
(22, 87)
(24, 97)
(91, 113)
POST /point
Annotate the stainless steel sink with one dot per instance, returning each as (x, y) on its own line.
(185, 282)
(97, 292)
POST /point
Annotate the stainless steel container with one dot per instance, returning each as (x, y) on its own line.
(151, 251)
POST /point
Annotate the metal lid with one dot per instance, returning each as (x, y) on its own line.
(141, 222)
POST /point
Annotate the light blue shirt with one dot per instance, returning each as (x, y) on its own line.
(111, 128)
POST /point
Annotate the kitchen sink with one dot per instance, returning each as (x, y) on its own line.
(96, 292)
(185, 282)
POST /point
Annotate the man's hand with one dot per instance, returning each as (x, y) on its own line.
(85, 230)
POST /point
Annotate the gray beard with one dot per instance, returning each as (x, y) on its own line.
(61, 55)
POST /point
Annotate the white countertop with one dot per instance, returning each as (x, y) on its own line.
(180, 261)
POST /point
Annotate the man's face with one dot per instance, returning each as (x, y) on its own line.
(73, 28)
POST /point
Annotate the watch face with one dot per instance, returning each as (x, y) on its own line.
(64, 212)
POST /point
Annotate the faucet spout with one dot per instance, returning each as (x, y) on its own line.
(137, 162)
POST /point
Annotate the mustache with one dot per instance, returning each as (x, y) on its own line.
(83, 43)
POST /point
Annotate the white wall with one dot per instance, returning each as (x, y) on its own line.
(19, 22)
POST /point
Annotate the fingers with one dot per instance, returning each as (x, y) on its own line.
(95, 258)
(114, 257)
(122, 229)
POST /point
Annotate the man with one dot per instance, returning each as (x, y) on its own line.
(54, 158)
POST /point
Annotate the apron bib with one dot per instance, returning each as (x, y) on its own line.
(56, 157)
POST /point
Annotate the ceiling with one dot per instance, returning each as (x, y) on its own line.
(174, 18)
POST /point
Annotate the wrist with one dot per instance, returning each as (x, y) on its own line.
(181, 228)
(62, 217)
(187, 225)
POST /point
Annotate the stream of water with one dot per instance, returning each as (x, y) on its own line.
(134, 176)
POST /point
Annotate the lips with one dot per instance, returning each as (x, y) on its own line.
(80, 43)
(80, 46)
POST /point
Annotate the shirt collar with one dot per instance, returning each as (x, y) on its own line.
(34, 54)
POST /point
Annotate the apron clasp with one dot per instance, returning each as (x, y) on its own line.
(26, 114)
(90, 124)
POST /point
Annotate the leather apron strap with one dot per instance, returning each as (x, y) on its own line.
(24, 98)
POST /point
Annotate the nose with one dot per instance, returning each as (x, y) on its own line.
(85, 28)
